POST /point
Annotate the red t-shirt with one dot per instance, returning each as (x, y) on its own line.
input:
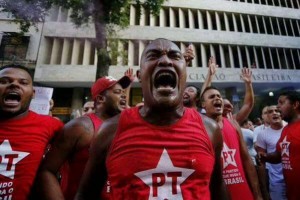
(22, 146)
(73, 170)
(233, 171)
(153, 162)
(289, 146)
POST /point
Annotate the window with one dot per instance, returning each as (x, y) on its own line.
(13, 46)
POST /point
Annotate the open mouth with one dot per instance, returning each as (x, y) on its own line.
(218, 105)
(123, 103)
(165, 80)
(12, 98)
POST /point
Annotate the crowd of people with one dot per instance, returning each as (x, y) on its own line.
(181, 142)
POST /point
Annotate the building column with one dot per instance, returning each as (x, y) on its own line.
(231, 57)
(255, 57)
(162, 18)
(264, 58)
(243, 24)
(203, 56)
(181, 19)
(226, 22)
(240, 57)
(200, 19)
(132, 15)
(87, 52)
(271, 58)
(248, 57)
(218, 21)
(223, 64)
(142, 17)
(191, 19)
(250, 24)
(234, 23)
(209, 22)
(130, 53)
(172, 18)
(153, 20)
(65, 52)
(75, 52)
(54, 52)
(257, 24)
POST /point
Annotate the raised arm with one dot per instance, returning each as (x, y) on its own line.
(217, 185)
(95, 174)
(212, 68)
(189, 54)
(130, 74)
(63, 146)
(248, 104)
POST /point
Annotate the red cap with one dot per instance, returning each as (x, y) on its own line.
(107, 82)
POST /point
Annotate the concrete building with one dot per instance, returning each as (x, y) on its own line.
(262, 34)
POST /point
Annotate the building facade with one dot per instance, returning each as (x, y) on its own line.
(261, 34)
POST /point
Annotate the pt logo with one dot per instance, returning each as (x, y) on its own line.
(228, 156)
(285, 146)
(9, 159)
(164, 180)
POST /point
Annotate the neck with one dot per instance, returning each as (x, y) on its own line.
(161, 117)
(7, 116)
(276, 126)
(295, 118)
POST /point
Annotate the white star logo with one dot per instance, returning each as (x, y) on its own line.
(285, 147)
(228, 156)
(9, 159)
(164, 180)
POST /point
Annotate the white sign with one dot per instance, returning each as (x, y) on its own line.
(40, 104)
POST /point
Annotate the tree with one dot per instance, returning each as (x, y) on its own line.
(104, 14)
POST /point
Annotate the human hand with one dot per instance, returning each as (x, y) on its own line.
(212, 66)
(130, 74)
(189, 54)
(260, 158)
(246, 75)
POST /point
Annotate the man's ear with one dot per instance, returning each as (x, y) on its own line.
(138, 75)
(100, 98)
(33, 94)
(296, 105)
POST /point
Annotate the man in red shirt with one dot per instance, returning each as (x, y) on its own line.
(24, 135)
(72, 147)
(238, 170)
(288, 146)
(157, 151)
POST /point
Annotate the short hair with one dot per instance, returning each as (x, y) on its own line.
(15, 66)
(291, 95)
(197, 89)
(206, 89)
(245, 122)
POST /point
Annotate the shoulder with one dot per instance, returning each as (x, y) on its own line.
(213, 130)
(79, 126)
(209, 123)
(106, 135)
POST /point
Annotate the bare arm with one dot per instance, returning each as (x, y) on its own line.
(249, 96)
(212, 68)
(130, 74)
(217, 185)
(95, 174)
(262, 176)
(248, 165)
(63, 146)
(188, 54)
